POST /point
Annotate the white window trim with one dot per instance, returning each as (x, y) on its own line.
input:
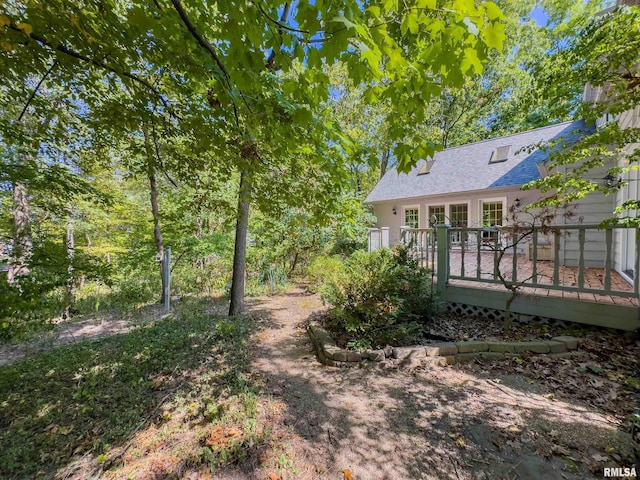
(428, 205)
(404, 214)
(447, 209)
(493, 200)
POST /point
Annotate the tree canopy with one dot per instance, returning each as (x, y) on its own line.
(604, 60)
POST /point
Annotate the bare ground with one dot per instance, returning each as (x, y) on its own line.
(66, 333)
(403, 422)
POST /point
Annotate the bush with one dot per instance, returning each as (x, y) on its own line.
(322, 270)
(380, 297)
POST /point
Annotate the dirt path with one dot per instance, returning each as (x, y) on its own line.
(392, 423)
(66, 333)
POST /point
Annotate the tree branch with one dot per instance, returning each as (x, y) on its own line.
(157, 152)
(35, 90)
(283, 18)
(280, 23)
(91, 61)
(199, 38)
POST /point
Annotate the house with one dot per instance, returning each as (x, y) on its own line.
(476, 185)
(576, 272)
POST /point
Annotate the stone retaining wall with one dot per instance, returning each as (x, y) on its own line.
(441, 353)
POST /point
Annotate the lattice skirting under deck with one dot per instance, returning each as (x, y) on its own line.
(496, 314)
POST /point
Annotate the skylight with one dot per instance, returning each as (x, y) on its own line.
(500, 154)
(426, 167)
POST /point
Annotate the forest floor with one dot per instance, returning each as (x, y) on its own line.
(172, 399)
(526, 419)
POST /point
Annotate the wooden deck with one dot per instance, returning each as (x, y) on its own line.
(567, 277)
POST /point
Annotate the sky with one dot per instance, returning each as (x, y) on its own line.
(540, 16)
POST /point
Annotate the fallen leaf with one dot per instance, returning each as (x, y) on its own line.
(600, 458)
(347, 474)
(273, 476)
(558, 450)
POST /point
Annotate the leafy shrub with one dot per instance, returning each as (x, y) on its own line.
(380, 297)
(322, 270)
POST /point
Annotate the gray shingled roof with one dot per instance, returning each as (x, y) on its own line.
(467, 168)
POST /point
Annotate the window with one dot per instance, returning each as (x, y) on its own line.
(491, 217)
(436, 215)
(459, 215)
(500, 154)
(491, 214)
(411, 217)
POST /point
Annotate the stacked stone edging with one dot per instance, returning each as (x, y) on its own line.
(441, 353)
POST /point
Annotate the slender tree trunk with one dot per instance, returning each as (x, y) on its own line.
(157, 234)
(199, 261)
(22, 240)
(87, 240)
(236, 305)
(71, 247)
(384, 162)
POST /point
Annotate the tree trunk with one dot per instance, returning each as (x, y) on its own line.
(157, 234)
(71, 247)
(236, 305)
(199, 261)
(22, 240)
(507, 311)
(88, 243)
(384, 162)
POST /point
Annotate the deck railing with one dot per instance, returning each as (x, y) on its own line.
(421, 243)
(378, 238)
(573, 258)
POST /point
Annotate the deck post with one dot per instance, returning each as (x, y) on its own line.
(374, 239)
(167, 279)
(403, 235)
(384, 240)
(442, 268)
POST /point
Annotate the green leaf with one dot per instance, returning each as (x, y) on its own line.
(464, 7)
(342, 19)
(494, 35)
(412, 23)
(430, 4)
(390, 5)
(493, 11)
(302, 116)
(374, 10)
(471, 60)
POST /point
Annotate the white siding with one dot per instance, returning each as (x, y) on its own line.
(625, 242)
(385, 217)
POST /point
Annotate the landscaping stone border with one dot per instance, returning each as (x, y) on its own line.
(440, 353)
